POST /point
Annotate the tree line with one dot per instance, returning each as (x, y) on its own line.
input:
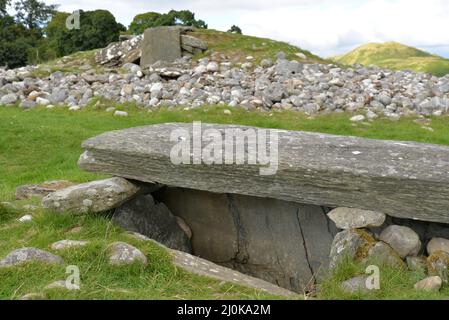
(37, 32)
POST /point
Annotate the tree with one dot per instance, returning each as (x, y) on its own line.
(235, 29)
(143, 21)
(34, 14)
(16, 42)
(3, 6)
(172, 18)
(97, 29)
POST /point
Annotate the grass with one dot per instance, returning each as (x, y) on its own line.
(396, 56)
(42, 144)
(395, 284)
(159, 280)
(68, 64)
(238, 47)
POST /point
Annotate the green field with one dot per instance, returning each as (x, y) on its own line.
(41, 144)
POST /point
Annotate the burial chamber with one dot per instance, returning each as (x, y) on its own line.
(259, 205)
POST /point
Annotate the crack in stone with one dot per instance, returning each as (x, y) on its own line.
(305, 246)
(241, 256)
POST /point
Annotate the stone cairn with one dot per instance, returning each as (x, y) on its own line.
(269, 84)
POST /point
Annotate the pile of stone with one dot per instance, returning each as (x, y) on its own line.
(277, 84)
(370, 238)
(164, 43)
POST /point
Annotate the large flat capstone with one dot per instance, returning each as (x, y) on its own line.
(401, 179)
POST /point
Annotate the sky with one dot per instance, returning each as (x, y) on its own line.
(325, 27)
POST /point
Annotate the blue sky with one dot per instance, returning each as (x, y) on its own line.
(324, 27)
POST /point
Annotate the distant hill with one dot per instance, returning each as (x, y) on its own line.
(396, 56)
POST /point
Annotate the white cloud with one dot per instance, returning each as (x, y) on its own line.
(323, 26)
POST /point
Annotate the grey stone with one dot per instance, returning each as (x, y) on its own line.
(8, 99)
(67, 244)
(352, 218)
(288, 68)
(275, 92)
(40, 190)
(417, 264)
(266, 63)
(27, 104)
(438, 244)
(26, 255)
(192, 42)
(160, 44)
(355, 285)
(121, 253)
(155, 221)
(347, 245)
(332, 170)
(58, 96)
(402, 239)
(206, 268)
(438, 264)
(382, 253)
(95, 196)
(430, 284)
(119, 53)
(248, 234)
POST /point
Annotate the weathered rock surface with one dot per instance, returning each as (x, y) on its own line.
(401, 179)
(355, 285)
(67, 244)
(351, 218)
(417, 264)
(121, 253)
(24, 255)
(40, 190)
(95, 196)
(160, 44)
(281, 242)
(402, 239)
(430, 284)
(144, 216)
(120, 53)
(438, 244)
(209, 269)
(384, 254)
(438, 264)
(350, 244)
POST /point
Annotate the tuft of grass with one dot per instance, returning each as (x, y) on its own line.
(395, 284)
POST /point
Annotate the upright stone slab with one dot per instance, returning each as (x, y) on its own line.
(160, 44)
(282, 242)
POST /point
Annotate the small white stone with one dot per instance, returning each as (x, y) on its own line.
(74, 108)
(119, 113)
(26, 218)
(357, 118)
(228, 112)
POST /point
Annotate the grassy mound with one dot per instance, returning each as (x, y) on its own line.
(396, 56)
